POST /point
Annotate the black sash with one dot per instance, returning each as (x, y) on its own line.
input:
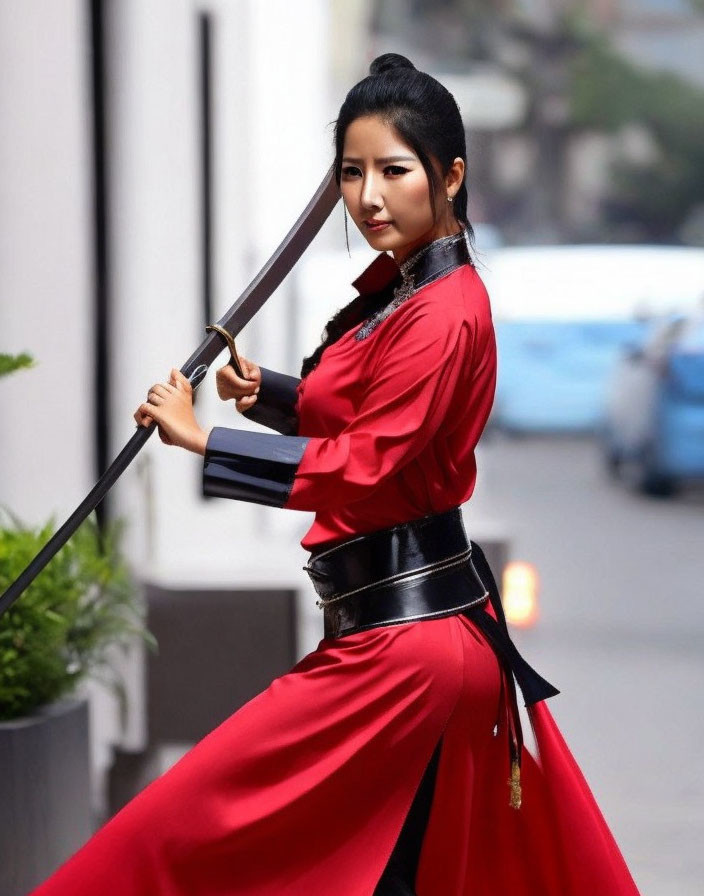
(421, 569)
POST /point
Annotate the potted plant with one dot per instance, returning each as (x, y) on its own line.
(63, 628)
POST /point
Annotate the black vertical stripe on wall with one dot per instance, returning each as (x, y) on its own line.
(205, 93)
(101, 293)
(205, 85)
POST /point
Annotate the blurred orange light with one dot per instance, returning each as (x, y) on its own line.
(520, 593)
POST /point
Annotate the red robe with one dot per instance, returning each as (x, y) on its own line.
(304, 790)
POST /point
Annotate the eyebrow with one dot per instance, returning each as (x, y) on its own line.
(385, 160)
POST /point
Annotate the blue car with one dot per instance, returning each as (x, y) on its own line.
(553, 375)
(564, 315)
(653, 432)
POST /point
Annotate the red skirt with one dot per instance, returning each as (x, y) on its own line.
(304, 790)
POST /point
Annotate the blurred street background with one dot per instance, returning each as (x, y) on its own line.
(153, 154)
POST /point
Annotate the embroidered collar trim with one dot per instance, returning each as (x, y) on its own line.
(422, 267)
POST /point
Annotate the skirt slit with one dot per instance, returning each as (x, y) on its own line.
(399, 877)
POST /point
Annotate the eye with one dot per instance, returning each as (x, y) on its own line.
(395, 169)
(350, 170)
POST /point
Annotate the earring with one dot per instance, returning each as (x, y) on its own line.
(450, 198)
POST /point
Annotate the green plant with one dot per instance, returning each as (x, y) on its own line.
(10, 363)
(64, 624)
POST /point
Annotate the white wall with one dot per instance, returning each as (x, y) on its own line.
(45, 256)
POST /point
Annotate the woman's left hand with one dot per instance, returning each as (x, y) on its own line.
(170, 406)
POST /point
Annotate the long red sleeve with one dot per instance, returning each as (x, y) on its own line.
(408, 390)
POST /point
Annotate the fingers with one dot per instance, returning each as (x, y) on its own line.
(150, 411)
(247, 367)
(228, 373)
(229, 385)
(143, 415)
(144, 418)
(251, 370)
(246, 402)
(179, 381)
(159, 392)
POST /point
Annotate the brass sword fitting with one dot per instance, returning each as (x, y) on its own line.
(230, 342)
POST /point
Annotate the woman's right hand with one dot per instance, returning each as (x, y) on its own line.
(245, 392)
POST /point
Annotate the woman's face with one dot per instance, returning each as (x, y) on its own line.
(383, 180)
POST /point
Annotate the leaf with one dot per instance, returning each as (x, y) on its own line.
(69, 618)
(11, 363)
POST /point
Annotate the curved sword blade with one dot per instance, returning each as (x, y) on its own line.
(254, 296)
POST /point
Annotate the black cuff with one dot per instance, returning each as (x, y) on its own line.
(275, 406)
(251, 466)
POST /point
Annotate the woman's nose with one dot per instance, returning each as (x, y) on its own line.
(371, 194)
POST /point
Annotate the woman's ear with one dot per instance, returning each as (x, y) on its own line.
(454, 177)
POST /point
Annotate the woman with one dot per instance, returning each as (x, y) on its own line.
(388, 761)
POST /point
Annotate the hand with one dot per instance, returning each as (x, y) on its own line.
(170, 406)
(245, 392)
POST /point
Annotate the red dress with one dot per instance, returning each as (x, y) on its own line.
(304, 790)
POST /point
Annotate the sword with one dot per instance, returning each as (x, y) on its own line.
(220, 335)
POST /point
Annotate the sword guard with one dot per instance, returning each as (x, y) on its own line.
(230, 342)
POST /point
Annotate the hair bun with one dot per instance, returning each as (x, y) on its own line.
(389, 61)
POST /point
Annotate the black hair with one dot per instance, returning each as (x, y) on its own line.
(427, 118)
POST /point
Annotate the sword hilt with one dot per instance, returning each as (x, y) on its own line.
(230, 342)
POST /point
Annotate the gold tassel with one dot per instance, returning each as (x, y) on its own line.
(514, 782)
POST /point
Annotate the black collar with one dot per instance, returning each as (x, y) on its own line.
(426, 264)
